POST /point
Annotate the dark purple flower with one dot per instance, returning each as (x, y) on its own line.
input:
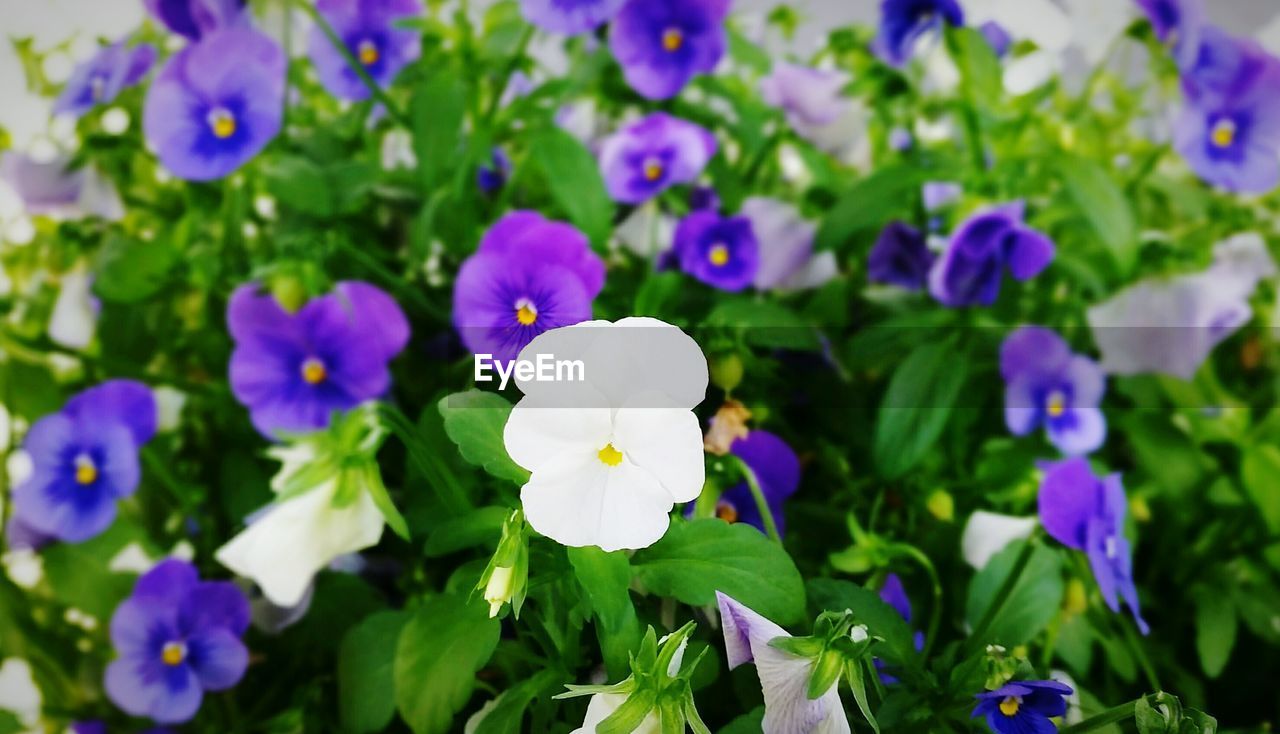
(530, 274)
(648, 156)
(367, 29)
(1177, 23)
(1233, 141)
(970, 270)
(176, 637)
(85, 457)
(719, 251)
(101, 78)
(997, 37)
(903, 22)
(777, 469)
(1023, 706)
(901, 257)
(569, 17)
(294, 370)
(491, 178)
(1224, 67)
(1046, 385)
(704, 197)
(662, 44)
(196, 19)
(216, 104)
(1086, 513)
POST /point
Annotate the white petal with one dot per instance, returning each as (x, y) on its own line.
(604, 704)
(1031, 71)
(787, 706)
(667, 443)
(743, 627)
(987, 533)
(535, 434)
(18, 691)
(75, 313)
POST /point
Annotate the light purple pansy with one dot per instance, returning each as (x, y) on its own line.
(85, 458)
(530, 274)
(653, 154)
(662, 44)
(970, 270)
(176, 637)
(722, 252)
(216, 104)
(196, 19)
(294, 370)
(997, 37)
(569, 17)
(100, 79)
(1047, 385)
(1086, 513)
(367, 28)
(940, 194)
(787, 259)
(811, 98)
(1224, 68)
(777, 469)
(54, 188)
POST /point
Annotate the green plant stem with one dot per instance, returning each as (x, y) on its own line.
(508, 71)
(762, 504)
(935, 613)
(1135, 645)
(1106, 718)
(438, 475)
(1011, 581)
(378, 93)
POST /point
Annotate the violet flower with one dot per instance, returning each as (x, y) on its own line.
(1178, 23)
(940, 194)
(85, 457)
(1224, 67)
(216, 104)
(492, 177)
(196, 19)
(1046, 385)
(100, 79)
(998, 38)
(294, 370)
(1086, 513)
(894, 594)
(901, 257)
(54, 188)
(662, 44)
(970, 270)
(903, 22)
(1023, 706)
(653, 154)
(530, 274)
(722, 252)
(177, 637)
(569, 17)
(777, 469)
(367, 28)
(787, 259)
(811, 98)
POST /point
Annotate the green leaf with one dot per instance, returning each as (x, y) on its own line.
(606, 581)
(507, 714)
(382, 500)
(437, 110)
(299, 184)
(1104, 205)
(766, 324)
(1152, 719)
(437, 657)
(696, 559)
(366, 664)
(916, 406)
(132, 270)
(1216, 625)
(868, 608)
(748, 723)
(1032, 604)
(1260, 468)
(481, 527)
(474, 421)
(80, 574)
(980, 72)
(865, 208)
(10, 724)
(574, 180)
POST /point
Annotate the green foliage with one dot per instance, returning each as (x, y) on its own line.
(439, 651)
(1032, 604)
(366, 681)
(474, 421)
(917, 406)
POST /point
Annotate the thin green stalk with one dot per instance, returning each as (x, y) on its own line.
(1135, 645)
(1002, 596)
(935, 613)
(378, 93)
(762, 504)
(438, 475)
(1106, 718)
(508, 71)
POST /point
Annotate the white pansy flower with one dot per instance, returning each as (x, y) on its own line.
(75, 312)
(18, 692)
(988, 533)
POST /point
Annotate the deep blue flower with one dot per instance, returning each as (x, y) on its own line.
(367, 29)
(901, 257)
(1024, 706)
(491, 178)
(652, 154)
(720, 251)
(196, 19)
(176, 637)
(903, 22)
(85, 457)
(777, 469)
(970, 270)
(1178, 23)
(1046, 385)
(98, 80)
(662, 44)
(1086, 513)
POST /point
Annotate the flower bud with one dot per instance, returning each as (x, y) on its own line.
(499, 589)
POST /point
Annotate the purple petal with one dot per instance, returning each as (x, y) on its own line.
(166, 695)
(218, 658)
(1079, 431)
(569, 17)
(1030, 252)
(529, 237)
(215, 604)
(1069, 498)
(1033, 350)
(125, 401)
(742, 626)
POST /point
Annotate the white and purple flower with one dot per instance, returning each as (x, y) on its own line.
(1023, 706)
(100, 79)
(1047, 385)
(653, 154)
(196, 19)
(904, 22)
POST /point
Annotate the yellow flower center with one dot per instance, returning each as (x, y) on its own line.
(313, 371)
(727, 512)
(86, 471)
(672, 39)
(367, 52)
(1223, 133)
(526, 312)
(652, 170)
(223, 123)
(1056, 404)
(1009, 706)
(609, 456)
(718, 255)
(173, 653)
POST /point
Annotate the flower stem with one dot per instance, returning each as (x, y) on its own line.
(378, 93)
(762, 504)
(935, 612)
(1106, 718)
(1006, 589)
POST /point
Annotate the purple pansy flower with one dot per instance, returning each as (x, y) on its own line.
(98, 727)
(903, 22)
(569, 17)
(894, 594)
(294, 370)
(787, 259)
(777, 469)
(98, 80)
(1224, 67)
(1177, 23)
(662, 44)
(720, 251)
(652, 154)
(1024, 706)
(1047, 385)
(54, 188)
(530, 274)
(1086, 513)
(367, 29)
(940, 194)
(216, 104)
(901, 139)
(811, 98)
(970, 270)
(176, 637)
(196, 19)
(85, 457)
(491, 178)
(997, 37)
(901, 257)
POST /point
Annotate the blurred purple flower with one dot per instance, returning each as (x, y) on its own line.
(20, 535)
(662, 44)
(1224, 67)
(569, 17)
(787, 260)
(294, 370)
(491, 178)
(196, 19)
(722, 252)
(901, 140)
(777, 469)
(216, 104)
(997, 37)
(1023, 707)
(652, 154)
(940, 194)
(1178, 23)
(100, 79)
(1046, 385)
(530, 274)
(1233, 141)
(970, 270)
(367, 29)
(901, 257)
(53, 188)
(84, 458)
(810, 97)
(176, 637)
(903, 22)
(1086, 513)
